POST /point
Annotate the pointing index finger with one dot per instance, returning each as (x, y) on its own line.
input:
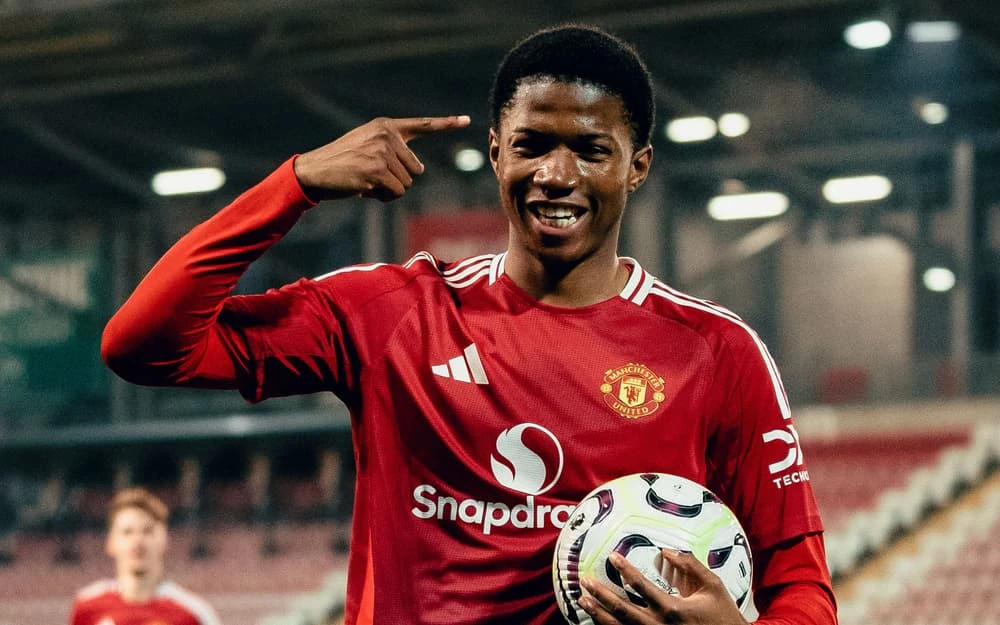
(413, 127)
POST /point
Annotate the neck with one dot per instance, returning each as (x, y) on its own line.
(593, 280)
(136, 588)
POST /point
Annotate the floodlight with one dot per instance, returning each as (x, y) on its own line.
(756, 205)
(939, 279)
(933, 32)
(690, 129)
(182, 181)
(933, 113)
(857, 189)
(734, 124)
(469, 159)
(867, 35)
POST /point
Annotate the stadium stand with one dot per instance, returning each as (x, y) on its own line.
(252, 542)
(945, 573)
(241, 580)
(852, 471)
(924, 553)
(261, 529)
(904, 479)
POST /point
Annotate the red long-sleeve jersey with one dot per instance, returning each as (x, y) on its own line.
(480, 416)
(101, 603)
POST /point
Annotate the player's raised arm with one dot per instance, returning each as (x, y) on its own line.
(168, 332)
(373, 160)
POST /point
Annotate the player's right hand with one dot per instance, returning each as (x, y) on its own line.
(371, 161)
(703, 598)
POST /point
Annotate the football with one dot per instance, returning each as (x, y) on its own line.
(637, 516)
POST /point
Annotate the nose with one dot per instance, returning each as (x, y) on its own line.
(558, 171)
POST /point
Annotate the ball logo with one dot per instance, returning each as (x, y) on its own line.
(525, 465)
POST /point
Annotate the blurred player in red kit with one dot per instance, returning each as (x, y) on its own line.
(139, 594)
(487, 395)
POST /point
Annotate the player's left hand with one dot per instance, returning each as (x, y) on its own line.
(703, 599)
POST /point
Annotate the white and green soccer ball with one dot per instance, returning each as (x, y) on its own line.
(637, 516)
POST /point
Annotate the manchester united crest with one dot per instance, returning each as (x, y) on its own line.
(633, 390)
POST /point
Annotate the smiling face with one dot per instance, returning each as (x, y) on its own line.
(137, 542)
(565, 164)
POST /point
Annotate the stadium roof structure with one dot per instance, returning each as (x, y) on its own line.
(98, 95)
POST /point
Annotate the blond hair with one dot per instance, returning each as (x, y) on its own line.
(138, 498)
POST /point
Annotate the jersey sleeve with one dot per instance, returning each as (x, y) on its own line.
(182, 327)
(794, 585)
(200, 609)
(75, 617)
(755, 458)
(168, 331)
(320, 334)
(210, 618)
(297, 341)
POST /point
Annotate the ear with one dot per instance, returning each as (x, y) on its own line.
(494, 149)
(642, 160)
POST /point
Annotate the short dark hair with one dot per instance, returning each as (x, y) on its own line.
(579, 53)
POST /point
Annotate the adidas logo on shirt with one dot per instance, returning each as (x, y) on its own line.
(464, 368)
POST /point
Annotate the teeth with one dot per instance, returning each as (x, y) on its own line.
(562, 222)
(555, 212)
(556, 216)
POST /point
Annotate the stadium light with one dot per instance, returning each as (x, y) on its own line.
(933, 32)
(856, 189)
(183, 181)
(868, 35)
(939, 279)
(933, 113)
(734, 124)
(469, 159)
(691, 129)
(757, 205)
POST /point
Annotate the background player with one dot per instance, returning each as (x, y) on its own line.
(139, 594)
(473, 384)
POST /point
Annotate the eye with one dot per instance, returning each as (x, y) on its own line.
(526, 147)
(593, 151)
(531, 145)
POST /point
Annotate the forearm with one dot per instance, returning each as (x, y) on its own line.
(164, 332)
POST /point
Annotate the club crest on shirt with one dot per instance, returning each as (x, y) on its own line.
(633, 390)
